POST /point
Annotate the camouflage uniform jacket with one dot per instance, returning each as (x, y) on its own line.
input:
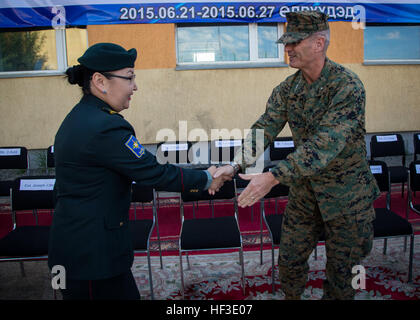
(327, 120)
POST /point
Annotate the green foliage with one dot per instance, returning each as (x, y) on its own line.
(20, 51)
(39, 159)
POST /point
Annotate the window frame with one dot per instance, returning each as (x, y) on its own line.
(253, 62)
(368, 62)
(61, 51)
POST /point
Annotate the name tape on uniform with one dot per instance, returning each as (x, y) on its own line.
(174, 147)
(10, 152)
(418, 168)
(389, 138)
(134, 146)
(37, 184)
(376, 169)
(283, 144)
(228, 143)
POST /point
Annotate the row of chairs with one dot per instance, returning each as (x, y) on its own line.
(30, 242)
(35, 193)
(221, 231)
(381, 146)
(392, 145)
(278, 150)
(222, 151)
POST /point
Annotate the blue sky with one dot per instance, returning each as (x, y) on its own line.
(392, 42)
(225, 43)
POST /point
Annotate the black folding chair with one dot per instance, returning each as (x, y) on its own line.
(413, 186)
(50, 157)
(391, 145)
(281, 147)
(223, 151)
(279, 150)
(387, 223)
(173, 152)
(25, 243)
(273, 223)
(219, 232)
(141, 229)
(12, 158)
(416, 144)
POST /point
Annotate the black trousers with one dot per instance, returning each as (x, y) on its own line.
(122, 287)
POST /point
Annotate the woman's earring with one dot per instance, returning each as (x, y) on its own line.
(104, 91)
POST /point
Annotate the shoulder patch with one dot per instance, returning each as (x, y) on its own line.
(134, 145)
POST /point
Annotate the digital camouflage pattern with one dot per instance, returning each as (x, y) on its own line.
(331, 186)
(349, 239)
(301, 25)
(327, 120)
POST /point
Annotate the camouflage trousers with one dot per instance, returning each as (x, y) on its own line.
(348, 239)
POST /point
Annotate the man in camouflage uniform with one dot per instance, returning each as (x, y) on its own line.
(331, 186)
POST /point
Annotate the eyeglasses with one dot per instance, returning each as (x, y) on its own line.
(110, 75)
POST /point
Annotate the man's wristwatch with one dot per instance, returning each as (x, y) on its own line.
(236, 167)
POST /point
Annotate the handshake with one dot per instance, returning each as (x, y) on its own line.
(220, 175)
(259, 184)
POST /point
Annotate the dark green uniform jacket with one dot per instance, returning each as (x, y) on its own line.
(97, 157)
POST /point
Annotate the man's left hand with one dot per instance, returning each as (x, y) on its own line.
(259, 185)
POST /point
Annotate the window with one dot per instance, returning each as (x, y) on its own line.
(392, 44)
(26, 52)
(229, 44)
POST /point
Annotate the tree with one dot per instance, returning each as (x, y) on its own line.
(21, 51)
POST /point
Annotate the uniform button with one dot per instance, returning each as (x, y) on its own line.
(121, 224)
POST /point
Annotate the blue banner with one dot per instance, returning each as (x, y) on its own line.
(21, 13)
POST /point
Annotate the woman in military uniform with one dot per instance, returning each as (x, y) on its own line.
(97, 156)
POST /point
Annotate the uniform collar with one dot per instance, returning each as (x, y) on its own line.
(326, 71)
(100, 104)
(323, 77)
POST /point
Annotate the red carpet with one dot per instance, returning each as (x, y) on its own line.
(169, 215)
(216, 276)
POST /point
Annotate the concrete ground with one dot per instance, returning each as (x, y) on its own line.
(34, 285)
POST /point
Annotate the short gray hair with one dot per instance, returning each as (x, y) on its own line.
(323, 34)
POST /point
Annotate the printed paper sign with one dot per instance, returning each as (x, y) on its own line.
(174, 147)
(9, 152)
(390, 138)
(284, 144)
(376, 169)
(37, 184)
(228, 143)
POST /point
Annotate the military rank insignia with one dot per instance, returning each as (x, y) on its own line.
(134, 145)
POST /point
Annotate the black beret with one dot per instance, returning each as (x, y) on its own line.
(108, 57)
